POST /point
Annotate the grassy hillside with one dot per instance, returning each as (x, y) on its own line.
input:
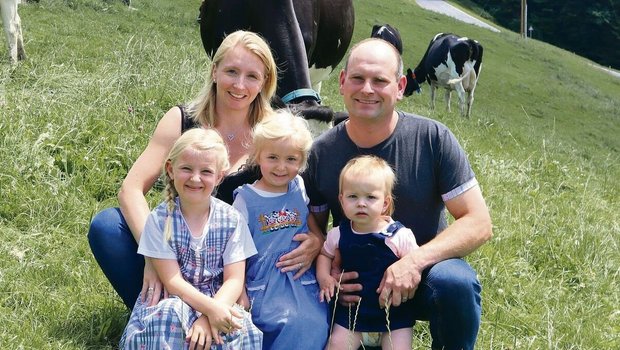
(543, 139)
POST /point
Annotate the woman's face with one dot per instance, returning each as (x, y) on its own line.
(239, 76)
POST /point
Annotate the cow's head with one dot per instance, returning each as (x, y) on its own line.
(389, 34)
(412, 83)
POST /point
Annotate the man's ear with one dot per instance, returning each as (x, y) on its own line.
(402, 85)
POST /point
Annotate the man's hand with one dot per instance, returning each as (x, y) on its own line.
(399, 282)
(344, 296)
(300, 259)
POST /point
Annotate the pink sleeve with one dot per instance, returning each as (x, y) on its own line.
(331, 243)
(402, 243)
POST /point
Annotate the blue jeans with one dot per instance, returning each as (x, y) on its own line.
(449, 298)
(116, 252)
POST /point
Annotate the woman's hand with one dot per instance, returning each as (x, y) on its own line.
(300, 259)
(152, 287)
(199, 334)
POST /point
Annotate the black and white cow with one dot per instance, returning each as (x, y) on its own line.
(13, 29)
(308, 37)
(450, 62)
(389, 34)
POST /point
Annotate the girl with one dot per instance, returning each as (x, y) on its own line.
(368, 241)
(198, 246)
(286, 309)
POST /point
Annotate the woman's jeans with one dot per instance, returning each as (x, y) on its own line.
(448, 295)
(116, 252)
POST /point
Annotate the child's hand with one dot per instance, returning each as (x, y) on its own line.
(222, 320)
(199, 334)
(328, 286)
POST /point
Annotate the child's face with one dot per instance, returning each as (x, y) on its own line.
(363, 202)
(279, 163)
(194, 175)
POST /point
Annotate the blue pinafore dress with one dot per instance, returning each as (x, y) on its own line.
(370, 257)
(165, 325)
(287, 311)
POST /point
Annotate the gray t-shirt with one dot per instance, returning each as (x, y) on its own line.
(431, 167)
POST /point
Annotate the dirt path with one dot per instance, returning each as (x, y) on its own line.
(443, 7)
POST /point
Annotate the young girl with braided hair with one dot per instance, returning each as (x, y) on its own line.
(198, 245)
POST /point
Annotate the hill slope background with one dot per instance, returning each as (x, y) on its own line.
(543, 140)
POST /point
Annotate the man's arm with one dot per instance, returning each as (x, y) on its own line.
(471, 229)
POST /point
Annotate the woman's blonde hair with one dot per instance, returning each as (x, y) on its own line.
(202, 109)
(282, 124)
(198, 139)
(374, 167)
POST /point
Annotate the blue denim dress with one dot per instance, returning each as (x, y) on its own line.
(287, 311)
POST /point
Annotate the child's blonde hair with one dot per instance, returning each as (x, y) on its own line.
(199, 140)
(374, 167)
(282, 124)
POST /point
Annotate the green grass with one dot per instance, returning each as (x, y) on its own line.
(543, 140)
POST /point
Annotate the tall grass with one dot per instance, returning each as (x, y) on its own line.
(543, 140)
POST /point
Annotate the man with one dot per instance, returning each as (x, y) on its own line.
(433, 174)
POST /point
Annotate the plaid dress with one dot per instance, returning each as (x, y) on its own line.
(165, 325)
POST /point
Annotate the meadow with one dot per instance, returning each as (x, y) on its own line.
(543, 141)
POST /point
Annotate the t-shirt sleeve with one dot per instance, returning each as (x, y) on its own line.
(402, 243)
(331, 242)
(241, 205)
(302, 188)
(152, 241)
(455, 173)
(240, 245)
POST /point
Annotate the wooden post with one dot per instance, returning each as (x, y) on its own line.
(523, 29)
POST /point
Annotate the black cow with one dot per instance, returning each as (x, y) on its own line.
(389, 34)
(450, 62)
(306, 36)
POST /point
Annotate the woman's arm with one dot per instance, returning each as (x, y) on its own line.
(146, 170)
(139, 181)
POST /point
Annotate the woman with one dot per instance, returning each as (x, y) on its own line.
(241, 82)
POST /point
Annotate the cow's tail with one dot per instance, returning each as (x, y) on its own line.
(461, 78)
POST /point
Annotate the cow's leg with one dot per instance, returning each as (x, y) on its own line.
(21, 52)
(470, 101)
(433, 88)
(470, 96)
(9, 9)
(447, 98)
(461, 93)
